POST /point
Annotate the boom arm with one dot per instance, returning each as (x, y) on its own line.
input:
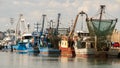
(74, 25)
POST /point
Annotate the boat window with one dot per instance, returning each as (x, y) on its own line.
(92, 45)
(83, 44)
(78, 44)
(27, 37)
(64, 44)
(43, 43)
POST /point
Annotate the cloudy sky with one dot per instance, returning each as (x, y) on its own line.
(33, 10)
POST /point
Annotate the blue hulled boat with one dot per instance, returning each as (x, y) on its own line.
(45, 46)
(25, 44)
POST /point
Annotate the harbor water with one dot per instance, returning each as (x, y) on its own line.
(14, 60)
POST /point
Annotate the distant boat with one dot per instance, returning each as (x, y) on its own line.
(114, 50)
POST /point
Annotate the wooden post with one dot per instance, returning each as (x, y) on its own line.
(96, 43)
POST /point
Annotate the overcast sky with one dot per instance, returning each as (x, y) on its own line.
(33, 10)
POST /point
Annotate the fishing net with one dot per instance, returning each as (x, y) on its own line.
(101, 27)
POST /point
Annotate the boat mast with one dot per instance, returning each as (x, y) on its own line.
(28, 27)
(51, 23)
(37, 27)
(101, 13)
(96, 37)
(11, 22)
(43, 22)
(56, 30)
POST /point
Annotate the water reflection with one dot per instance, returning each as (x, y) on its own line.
(13, 60)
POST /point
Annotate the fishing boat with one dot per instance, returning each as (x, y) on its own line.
(114, 52)
(46, 42)
(48, 48)
(66, 47)
(97, 43)
(23, 37)
(101, 27)
(84, 43)
(84, 46)
(67, 42)
(24, 44)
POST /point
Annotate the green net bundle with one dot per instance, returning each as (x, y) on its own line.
(101, 28)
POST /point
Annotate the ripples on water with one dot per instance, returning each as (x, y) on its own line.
(13, 60)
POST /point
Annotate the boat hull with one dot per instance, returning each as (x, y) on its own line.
(67, 52)
(23, 48)
(45, 51)
(114, 52)
(85, 52)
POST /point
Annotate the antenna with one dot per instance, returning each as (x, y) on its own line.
(11, 22)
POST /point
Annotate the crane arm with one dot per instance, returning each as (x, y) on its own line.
(74, 25)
